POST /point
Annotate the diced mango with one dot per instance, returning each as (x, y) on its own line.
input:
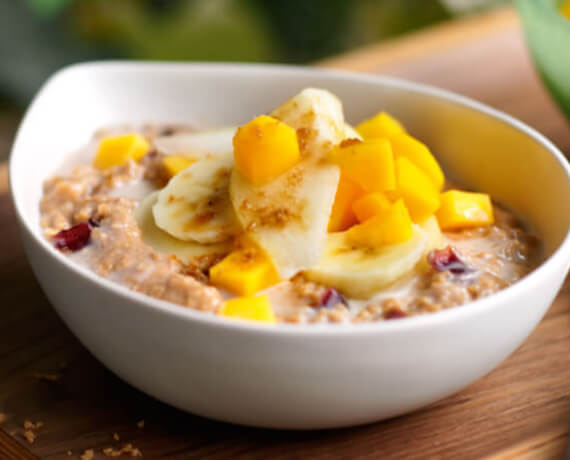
(117, 150)
(244, 271)
(565, 9)
(342, 215)
(406, 146)
(175, 164)
(380, 126)
(371, 205)
(265, 148)
(255, 308)
(464, 210)
(391, 227)
(370, 164)
(416, 189)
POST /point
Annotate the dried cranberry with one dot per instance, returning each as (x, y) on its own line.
(394, 313)
(331, 298)
(74, 238)
(447, 259)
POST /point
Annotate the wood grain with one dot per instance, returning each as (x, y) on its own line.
(520, 410)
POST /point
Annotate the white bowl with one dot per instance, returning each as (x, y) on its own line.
(291, 376)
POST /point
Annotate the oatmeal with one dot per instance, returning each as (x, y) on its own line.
(295, 217)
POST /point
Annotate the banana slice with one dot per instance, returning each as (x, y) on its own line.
(197, 145)
(163, 242)
(289, 216)
(195, 205)
(351, 133)
(360, 272)
(317, 116)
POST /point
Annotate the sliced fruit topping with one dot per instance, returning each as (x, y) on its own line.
(359, 272)
(255, 308)
(464, 210)
(74, 238)
(416, 189)
(406, 146)
(342, 214)
(380, 126)
(390, 227)
(331, 298)
(317, 116)
(175, 164)
(447, 259)
(195, 205)
(371, 205)
(186, 251)
(289, 216)
(370, 164)
(117, 150)
(245, 271)
(197, 145)
(264, 149)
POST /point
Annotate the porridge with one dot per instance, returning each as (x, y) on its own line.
(294, 217)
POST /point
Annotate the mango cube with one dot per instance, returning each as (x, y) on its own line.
(255, 308)
(371, 205)
(416, 189)
(117, 150)
(391, 227)
(380, 126)
(342, 214)
(370, 164)
(464, 210)
(406, 146)
(175, 164)
(265, 148)
(244, 271)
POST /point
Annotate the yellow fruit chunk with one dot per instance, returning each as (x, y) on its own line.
(464, 210)
(391, 227)
(250, 308)
(412, 149)
(416, 189)
(369, 164)
(379, 126)
(117, 150)
(175, 164)
(265, 148)
(565, 9)
(342, 215)
(245, 271)
(371, 205)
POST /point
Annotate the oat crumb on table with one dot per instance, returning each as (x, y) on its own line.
(140, 424)
(127, 449)
(2, 417)
(29, 425)
(69, 453)
(116, 436)
(47, 377)
(30, 436)
(87, 455)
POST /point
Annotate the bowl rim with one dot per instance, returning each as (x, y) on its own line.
(556, 261)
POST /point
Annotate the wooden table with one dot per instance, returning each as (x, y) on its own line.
(520, 410)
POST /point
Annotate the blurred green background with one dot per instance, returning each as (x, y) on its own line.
(37, 37)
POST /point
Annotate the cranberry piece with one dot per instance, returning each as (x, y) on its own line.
(395, 313)
(331, 298)
(74, 238)
(447, 259)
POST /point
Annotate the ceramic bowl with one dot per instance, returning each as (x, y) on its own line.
(290, 376)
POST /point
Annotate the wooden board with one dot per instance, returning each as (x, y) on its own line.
(520, 410)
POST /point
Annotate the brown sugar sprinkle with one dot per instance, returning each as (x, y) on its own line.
(2, 418)
(349, 142)
(87, 455)
(127, 449)
(140, 424)
(47, 377)
(30, 436)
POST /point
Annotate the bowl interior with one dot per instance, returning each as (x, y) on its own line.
(477, 147)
